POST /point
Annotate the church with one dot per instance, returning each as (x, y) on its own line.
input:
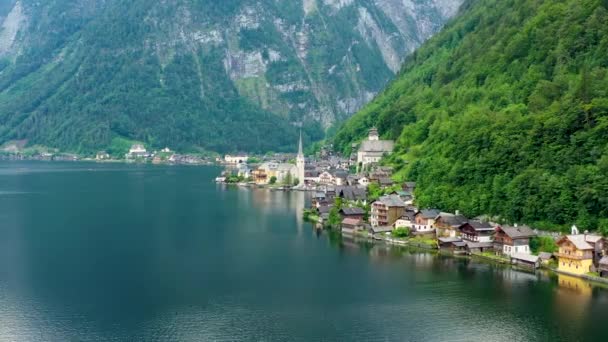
(373, 149)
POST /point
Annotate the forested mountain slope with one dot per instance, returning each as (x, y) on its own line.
(505, 112)
(221, 75)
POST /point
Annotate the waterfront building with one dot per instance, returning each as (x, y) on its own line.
(351, 225)
(373, 149)
(235, 159)
(102, 155)
(281, 171)
(477, 235)
(386, 211)
(425, 219)
(447, 224)
(575, 254)
(511, 240)
(603, 267)
(354, 212)
(137, 151)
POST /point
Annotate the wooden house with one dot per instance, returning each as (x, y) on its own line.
(351, 225)
(509, 240)
(354, 213)
(603, 267)
(386, 211)
(447, 224)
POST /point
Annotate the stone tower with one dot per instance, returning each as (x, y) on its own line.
(300, 162)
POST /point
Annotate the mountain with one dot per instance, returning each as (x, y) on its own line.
(198, 74)
(504, 112)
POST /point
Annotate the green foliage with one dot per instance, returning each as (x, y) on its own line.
(400, 232)
(334, 217)
(273, 180)
(543, 244)
(505, 112)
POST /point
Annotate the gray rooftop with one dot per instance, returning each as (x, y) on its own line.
(392, 201)
(519, 232)
(377, 146)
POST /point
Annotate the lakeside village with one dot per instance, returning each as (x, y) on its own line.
(137, 153)
(358, 196)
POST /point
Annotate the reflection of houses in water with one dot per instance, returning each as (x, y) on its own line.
(572, 298)
(422, 260)
(515, 276)
(574, 284)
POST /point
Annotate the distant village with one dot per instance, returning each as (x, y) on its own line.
(137, 154)
(358, 196)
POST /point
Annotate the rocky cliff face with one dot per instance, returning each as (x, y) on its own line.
(298, 61)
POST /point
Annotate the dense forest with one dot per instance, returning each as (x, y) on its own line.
(505, 112)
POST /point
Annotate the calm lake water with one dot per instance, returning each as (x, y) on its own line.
(156, 253)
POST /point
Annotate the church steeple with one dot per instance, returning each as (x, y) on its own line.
(301, 163)
(300, 149)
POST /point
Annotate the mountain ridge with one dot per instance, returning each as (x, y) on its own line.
(199, 73)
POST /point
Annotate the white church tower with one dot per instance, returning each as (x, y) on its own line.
(300, 163)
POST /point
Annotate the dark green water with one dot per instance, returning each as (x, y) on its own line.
(139, 253)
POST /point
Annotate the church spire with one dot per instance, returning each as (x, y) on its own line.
(300, 150)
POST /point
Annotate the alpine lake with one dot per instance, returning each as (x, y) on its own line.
(117, 252)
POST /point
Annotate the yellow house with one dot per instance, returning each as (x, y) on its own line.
(575, 254)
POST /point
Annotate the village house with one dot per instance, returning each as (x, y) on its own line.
(477, 235)
(405, 196)
(511, 240)
(364, 181)
(352, 225)
(352, 194)
(354, 212)
(409, 187)
(326, 178)
(598, 244)
(102, 155)
(407, 220)
(386, 211)
(235, 159)
(526, 260)
(311, 177)
(385, 182)
(453, 245)
(243, 170)
(137, 151)
(603, 267)
(575, 254)
(425, 219)
(373, 149)
(268, 170)
(340, 177)
(447, 224)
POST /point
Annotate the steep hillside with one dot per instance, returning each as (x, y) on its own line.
(505, 112)
(221, 75)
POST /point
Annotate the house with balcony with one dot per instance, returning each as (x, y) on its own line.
(512, 240)
(477, 235)
(447, 224)
(575, 254)
(386, 211)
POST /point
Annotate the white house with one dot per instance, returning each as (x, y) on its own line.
(137, 151)
(373, 149)
(326, 178)
(229, 159)
(364, 181)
